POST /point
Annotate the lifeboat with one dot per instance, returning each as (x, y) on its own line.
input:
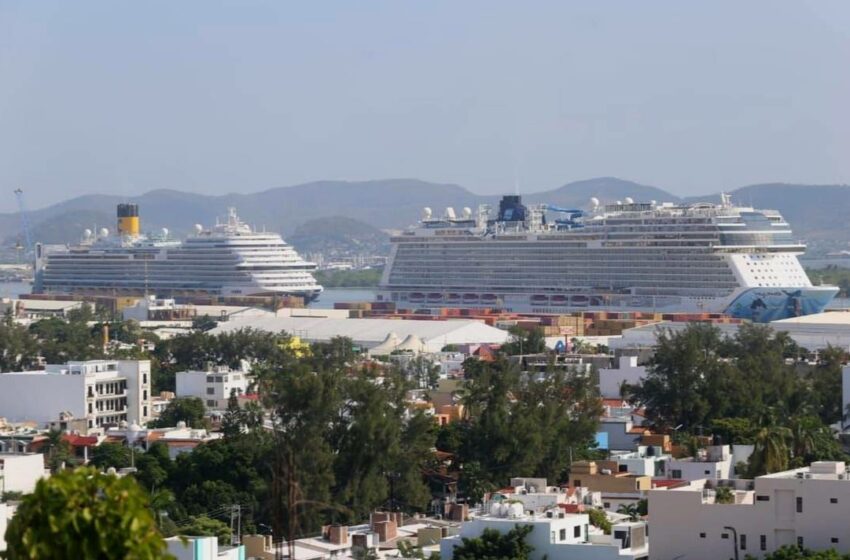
(416, 296)
(489, 298)
(579, 300)
(435, 297)
(539, 299)
(559, 300)
(596, 301)
(470, 298)
(453, 298)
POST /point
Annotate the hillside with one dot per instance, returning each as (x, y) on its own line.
(817, 212)
(339, 236)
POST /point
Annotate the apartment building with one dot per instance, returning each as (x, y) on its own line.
(213, 385)
(557, 535)
(104, 392)
(808, 507)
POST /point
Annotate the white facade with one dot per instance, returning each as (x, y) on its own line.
(612, 379)
(102, 391)
(714, 463)
(557, 535)
(4, 522)
(19, 472)
(808, 507)
(212, 386)
(202, 548)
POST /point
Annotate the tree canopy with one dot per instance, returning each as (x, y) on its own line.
(84, 514)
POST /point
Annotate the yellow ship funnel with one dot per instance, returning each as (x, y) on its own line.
(128, 219)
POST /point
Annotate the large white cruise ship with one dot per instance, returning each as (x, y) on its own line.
(228, 259)
(626, 256)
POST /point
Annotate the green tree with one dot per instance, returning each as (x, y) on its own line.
(108, 455)
(56, 450)
(771, 453)
(190, 410)
(203, 526)
(600, 520)
(724, 495)
(629, 509)
(84, 514)
(791, 552)
(494, 545)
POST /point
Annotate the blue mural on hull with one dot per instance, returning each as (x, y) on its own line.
(762, 305)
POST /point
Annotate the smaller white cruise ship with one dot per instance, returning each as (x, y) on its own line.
(229, 259)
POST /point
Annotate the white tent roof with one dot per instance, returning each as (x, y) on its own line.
(371, 332)
(412, 343)
(387, 346)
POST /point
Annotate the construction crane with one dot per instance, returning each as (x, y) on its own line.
(25, 224)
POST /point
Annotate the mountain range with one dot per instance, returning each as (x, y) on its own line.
(818, 213)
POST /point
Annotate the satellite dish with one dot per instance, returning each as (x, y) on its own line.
(450, 213)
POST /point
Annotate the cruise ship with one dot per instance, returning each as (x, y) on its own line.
(628, 256)
(228, 259)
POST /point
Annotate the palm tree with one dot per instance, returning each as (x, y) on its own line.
(771, 452)
(629, 509)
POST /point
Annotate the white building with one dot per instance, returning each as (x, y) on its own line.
(368, 333)
(19, 472)
(4, 522)
(611, 379)
(537, 496)
(214, 385)
(101, 391)
(202, 548)
(557, 535)
(713, 462)
(807, 507)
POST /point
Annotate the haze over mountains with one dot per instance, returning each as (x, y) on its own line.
(818, 213)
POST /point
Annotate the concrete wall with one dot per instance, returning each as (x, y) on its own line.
(619, 438)
(20, 473)
(41, 397)
(4, 512)
(610, 380)
(138, 375)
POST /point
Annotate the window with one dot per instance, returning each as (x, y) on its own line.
(743, 539)
(677, 473)
(577, 483)
(144, 378)
(607, 505)
(800, 542)
(833, 500)
(563, 534)
(834, 540)
(577, 531)
(211, 390)
(799, 505)
(702, 535)
(724, 536)
(622, 468)
(762, 498)
(763, 542)
(145, 411)
(211, 403)
(707, 472)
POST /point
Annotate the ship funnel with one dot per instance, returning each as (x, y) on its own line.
(128, 219)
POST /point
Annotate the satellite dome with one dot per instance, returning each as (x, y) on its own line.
(87, 233)
(594, 202)
(426, 213)
(630, 200)
(199, 228)
(165, 232)
(104, 232)
(467, 212)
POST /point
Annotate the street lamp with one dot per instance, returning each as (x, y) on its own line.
(734, 540)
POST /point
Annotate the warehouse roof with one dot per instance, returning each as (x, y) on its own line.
(371, 332)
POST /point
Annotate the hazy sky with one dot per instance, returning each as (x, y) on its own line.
(121, 97)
